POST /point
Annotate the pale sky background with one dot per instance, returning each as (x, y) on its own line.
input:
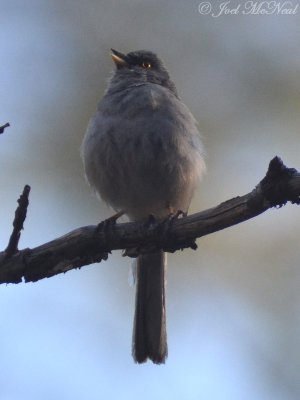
(234, 304)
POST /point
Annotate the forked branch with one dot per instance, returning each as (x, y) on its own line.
(92, 244)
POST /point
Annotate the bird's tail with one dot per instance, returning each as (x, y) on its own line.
(149, 335)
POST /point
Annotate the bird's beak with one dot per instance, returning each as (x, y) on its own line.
(118, 58)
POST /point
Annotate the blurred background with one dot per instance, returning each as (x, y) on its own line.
(233, 305)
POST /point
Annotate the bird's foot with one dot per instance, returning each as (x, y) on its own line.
(107, 224)
(165, 230)
(168, 222)
(165, 226)
(136, 251)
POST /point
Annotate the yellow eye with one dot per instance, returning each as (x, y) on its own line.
(146, 65)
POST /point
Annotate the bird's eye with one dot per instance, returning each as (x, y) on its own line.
(146, 65)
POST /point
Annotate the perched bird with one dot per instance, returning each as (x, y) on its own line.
(142, 154)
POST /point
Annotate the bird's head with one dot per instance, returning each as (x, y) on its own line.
(142, 65)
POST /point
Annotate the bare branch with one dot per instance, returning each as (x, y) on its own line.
(20, 216)
(91, 244)
(3, 127)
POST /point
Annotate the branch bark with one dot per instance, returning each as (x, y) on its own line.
(92, 244)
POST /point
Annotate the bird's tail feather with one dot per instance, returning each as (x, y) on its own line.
(149, 335)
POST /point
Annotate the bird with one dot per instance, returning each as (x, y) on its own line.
(143, 155)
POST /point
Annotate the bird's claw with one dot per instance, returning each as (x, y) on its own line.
(106, 226)
(166, 224)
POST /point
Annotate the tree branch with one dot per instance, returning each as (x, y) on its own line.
(3, 127)
(91, 244)
(20, 216)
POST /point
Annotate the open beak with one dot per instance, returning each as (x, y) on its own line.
(118, 58)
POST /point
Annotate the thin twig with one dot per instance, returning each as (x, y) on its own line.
(3, 127)
(20, 216)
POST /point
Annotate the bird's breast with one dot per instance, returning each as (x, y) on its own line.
(143, 151)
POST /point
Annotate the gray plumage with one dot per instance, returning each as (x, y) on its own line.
(142, 154)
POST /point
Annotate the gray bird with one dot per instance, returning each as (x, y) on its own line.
(142, 154)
